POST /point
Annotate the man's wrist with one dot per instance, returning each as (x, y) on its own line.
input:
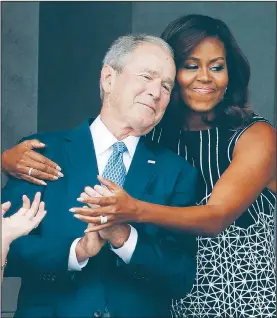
(81, 253)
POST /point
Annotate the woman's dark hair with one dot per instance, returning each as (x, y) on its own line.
(184, 34)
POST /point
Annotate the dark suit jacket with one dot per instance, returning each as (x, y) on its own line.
(162, 266)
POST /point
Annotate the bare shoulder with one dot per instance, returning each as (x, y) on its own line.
(257, 147)
(260, 137)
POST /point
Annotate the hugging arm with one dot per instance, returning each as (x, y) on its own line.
(165, 256)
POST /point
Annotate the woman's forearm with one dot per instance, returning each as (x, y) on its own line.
(201, 220)
(5, 250)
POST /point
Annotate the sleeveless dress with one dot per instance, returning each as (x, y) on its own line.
(236, 269)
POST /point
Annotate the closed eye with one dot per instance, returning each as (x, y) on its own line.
(146, 76)
(167, 88)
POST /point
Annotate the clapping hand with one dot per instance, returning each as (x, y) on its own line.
(109, 200)
(24, 220)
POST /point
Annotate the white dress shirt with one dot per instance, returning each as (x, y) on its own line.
(103, 141)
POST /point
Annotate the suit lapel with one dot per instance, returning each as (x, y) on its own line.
(142, 169)
(82, 169)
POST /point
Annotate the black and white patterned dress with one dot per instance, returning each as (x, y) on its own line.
(236, 269)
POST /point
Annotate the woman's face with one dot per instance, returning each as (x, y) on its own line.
(203, 77)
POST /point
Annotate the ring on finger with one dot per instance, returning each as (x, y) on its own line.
(103, 219)
(30, 171)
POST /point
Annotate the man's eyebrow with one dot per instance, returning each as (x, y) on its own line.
(155, 73)
(152, 72)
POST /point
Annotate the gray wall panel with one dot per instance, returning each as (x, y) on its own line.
(19, 70)
(19, 80)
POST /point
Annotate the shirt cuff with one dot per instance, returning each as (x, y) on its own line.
(73, 264)
(126, 251)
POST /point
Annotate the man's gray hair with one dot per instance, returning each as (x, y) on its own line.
(120, 49)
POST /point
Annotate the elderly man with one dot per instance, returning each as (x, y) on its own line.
(128, 270)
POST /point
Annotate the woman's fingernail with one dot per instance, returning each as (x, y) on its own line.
(42, 144)
(55, 178)
(59, 168)
(43, 183)
(80, 199)
(60, 174)
(72, 210)
(76, 216)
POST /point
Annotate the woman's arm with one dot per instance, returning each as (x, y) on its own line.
(251, 170)
(19, 224)
(5, 241)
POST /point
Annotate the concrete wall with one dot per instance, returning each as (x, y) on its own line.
(20, 23)
(19, 79)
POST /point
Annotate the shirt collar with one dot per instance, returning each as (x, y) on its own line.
(103, 139)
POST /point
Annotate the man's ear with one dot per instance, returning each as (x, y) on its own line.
(108, 75)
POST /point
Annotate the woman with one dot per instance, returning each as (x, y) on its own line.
(21, 223)
(208, 123)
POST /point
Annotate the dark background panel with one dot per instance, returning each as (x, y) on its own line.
(253, 24)
(73, 38)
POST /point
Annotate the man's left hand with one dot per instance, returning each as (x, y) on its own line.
(116, 234)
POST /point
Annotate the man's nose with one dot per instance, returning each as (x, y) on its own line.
(154, 89)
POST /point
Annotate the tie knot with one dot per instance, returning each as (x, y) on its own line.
(119, 147)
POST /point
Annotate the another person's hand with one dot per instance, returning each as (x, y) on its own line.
(23, 162)
(24, 220)
(110, 201)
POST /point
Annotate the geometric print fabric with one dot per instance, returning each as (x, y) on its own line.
(236, 275)
(236, 270)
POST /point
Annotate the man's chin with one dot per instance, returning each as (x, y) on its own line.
(141, 128)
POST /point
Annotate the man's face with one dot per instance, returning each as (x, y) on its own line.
(140, 94)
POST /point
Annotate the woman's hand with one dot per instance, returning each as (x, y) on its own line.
(24, 220)
(18, 161)
(110, 201)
